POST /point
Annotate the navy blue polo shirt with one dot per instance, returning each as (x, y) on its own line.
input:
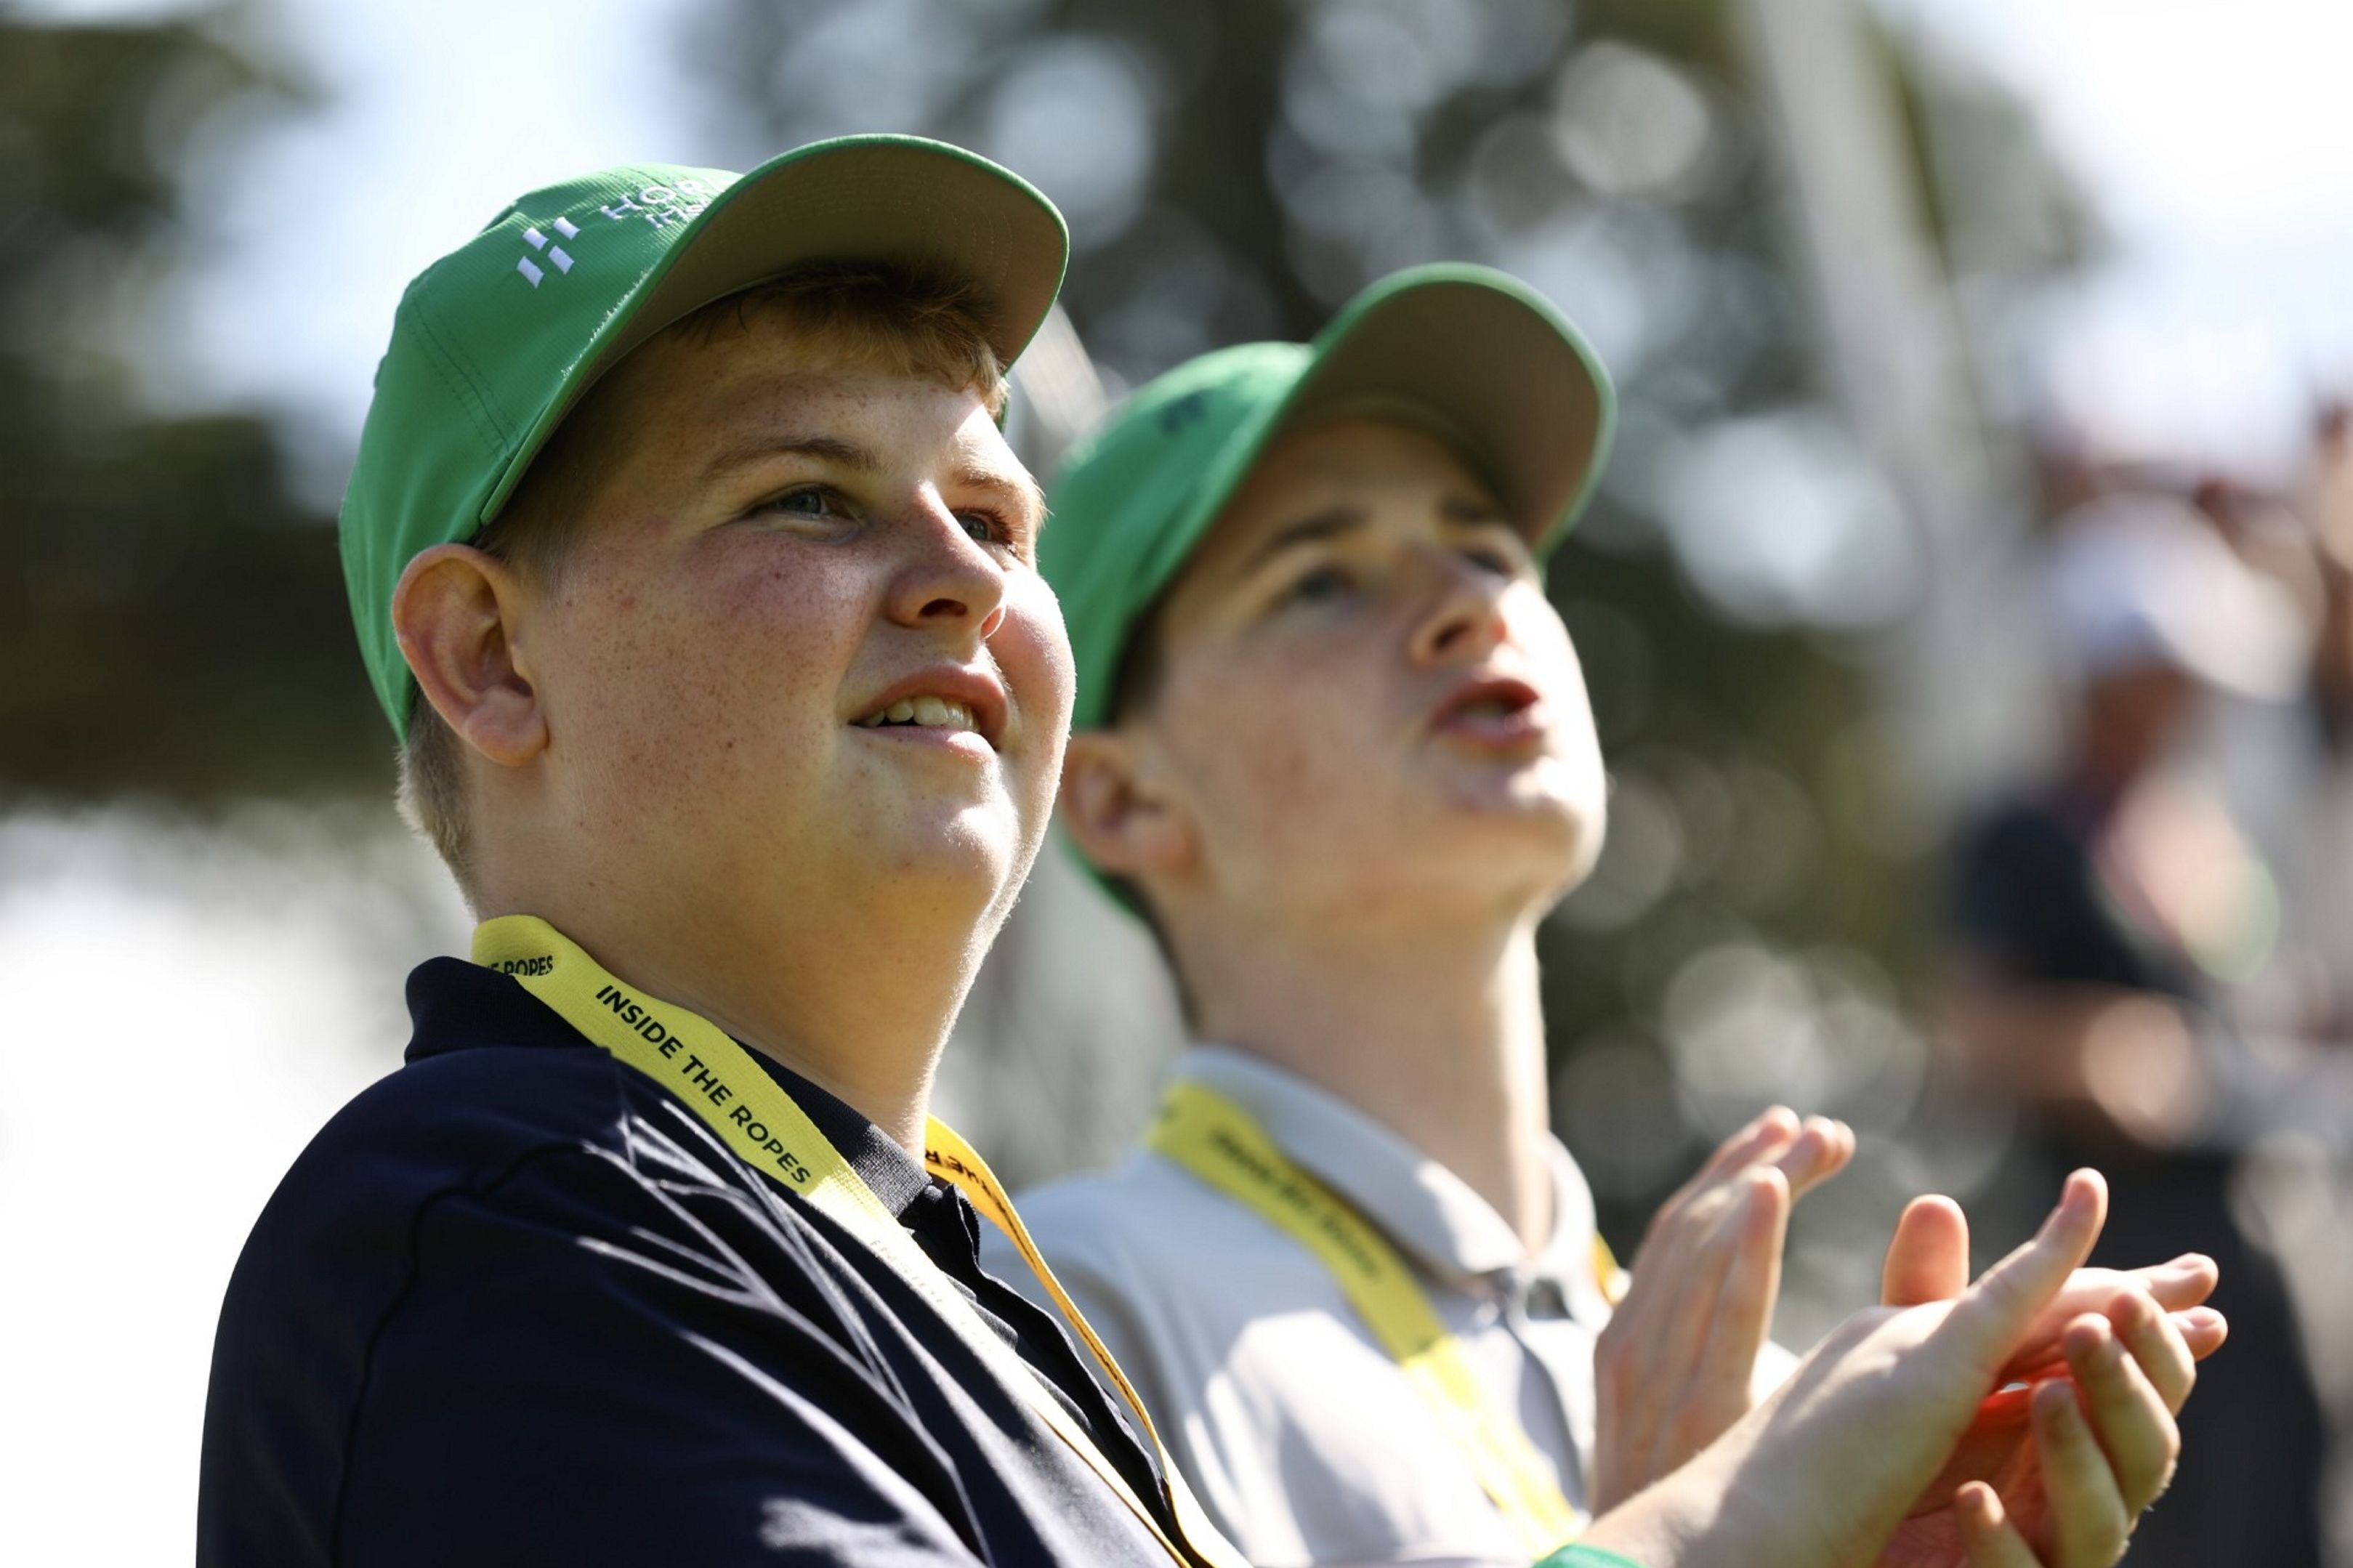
(515, 1304)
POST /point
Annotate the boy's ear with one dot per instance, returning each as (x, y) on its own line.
(1115, 811)
(454, 612)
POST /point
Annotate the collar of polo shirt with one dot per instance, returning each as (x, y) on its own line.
(1425, 1209)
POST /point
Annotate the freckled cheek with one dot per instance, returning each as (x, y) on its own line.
(787, 653)
(1032, 650)
(1285, 749)
(717, 661)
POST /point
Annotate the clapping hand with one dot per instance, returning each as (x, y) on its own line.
(1674, 1368)
(2079, 1439)
(1939, 1429)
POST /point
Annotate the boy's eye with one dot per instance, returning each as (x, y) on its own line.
(808, 501)
(1320, 585)
(1501, 549)
(985, 527)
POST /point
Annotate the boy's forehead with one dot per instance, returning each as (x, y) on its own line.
(688, 416)
(735, 392)
(1314, 482)
(1364, 449)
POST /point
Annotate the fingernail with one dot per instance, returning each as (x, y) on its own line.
(2084, 1338)
(2084, 1186)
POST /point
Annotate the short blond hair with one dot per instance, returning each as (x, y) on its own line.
(907, 320)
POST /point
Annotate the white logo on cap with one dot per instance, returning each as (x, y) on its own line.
(531, 271)
(662, 205)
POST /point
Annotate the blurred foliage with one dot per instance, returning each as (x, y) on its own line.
(174, 620)
(1993, 197)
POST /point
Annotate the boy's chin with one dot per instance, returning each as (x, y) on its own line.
(1492, 846)
(1533, 837)
(966, 858)
(1549, 801)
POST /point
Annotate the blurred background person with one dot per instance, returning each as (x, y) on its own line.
(2103, 920)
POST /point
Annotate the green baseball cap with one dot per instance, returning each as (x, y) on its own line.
(1474, 351)
(493, 343)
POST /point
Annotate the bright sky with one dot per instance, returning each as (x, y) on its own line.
(2213, 142)
(261, 992)
(189, 1003)
(310, 230)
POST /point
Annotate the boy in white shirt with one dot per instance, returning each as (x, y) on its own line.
(1332, 740)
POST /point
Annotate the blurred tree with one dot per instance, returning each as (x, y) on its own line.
(174, 620)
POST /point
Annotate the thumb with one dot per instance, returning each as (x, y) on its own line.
(1993, 1314)
(1928, 1260)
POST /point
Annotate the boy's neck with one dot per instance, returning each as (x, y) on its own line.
(852, 1017)
(1435, 1032)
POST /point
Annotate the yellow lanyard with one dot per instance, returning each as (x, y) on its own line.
(1219, 1142)
(698, 1062)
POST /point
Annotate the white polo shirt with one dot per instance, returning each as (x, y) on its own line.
(1300, 1434)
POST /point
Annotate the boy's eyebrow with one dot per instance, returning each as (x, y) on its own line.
(831, 448)
(1014, 486)
(1473, 509)
(1322, 525)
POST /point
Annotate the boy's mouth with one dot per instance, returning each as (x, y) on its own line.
(1497, 712)
(945, 701)
(929, 711)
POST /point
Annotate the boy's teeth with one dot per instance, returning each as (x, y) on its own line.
(931, 713)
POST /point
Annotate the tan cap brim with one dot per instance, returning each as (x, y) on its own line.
(1525, 399)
